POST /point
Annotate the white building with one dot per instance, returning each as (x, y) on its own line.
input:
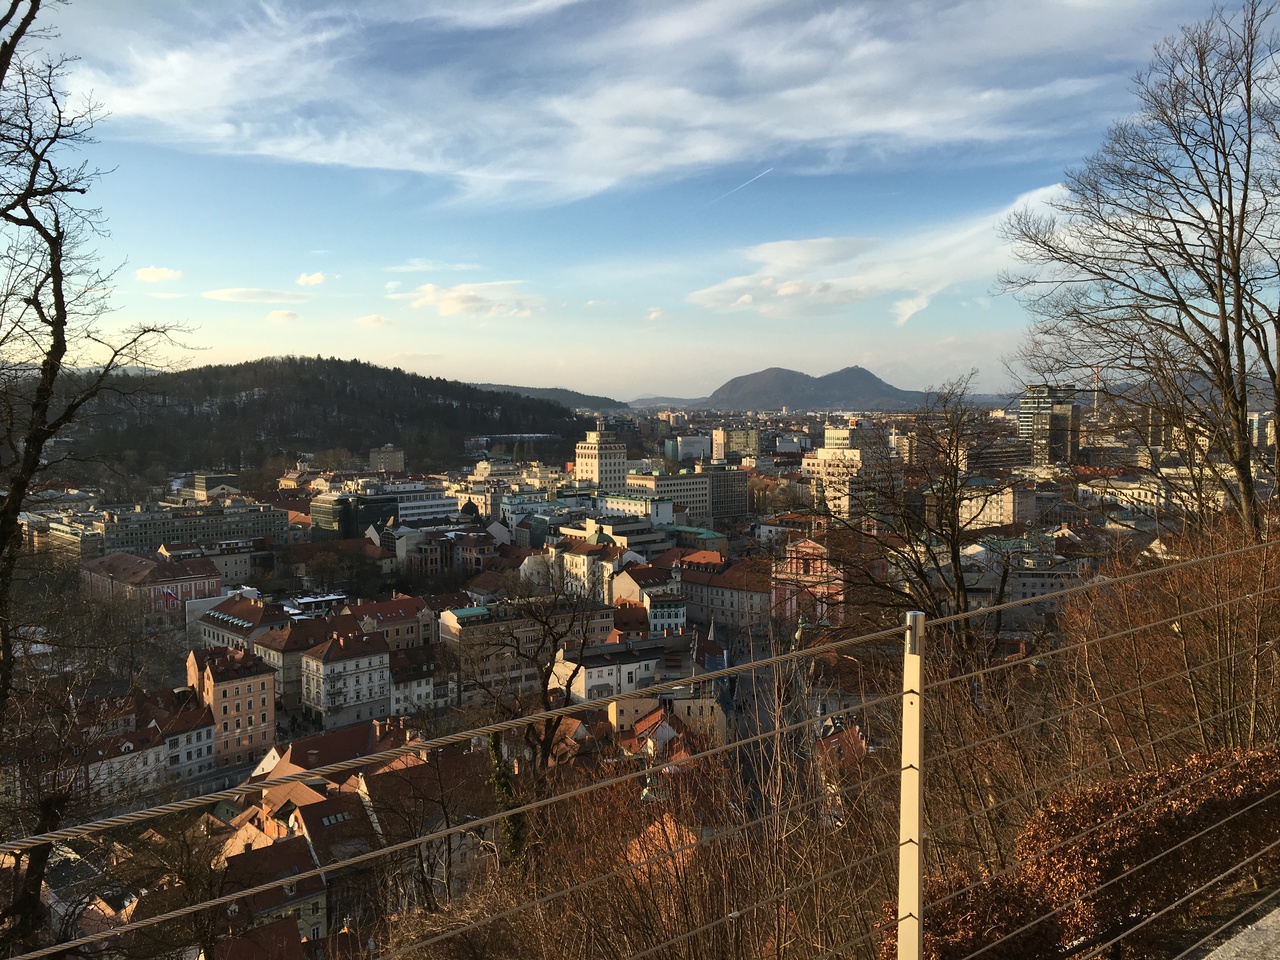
(347, 679)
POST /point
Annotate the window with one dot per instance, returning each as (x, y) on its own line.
(224, 709)
(264, 701)
(224, 693)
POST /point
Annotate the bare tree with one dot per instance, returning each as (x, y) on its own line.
(913, 508)
(1157, 269)
(57, 352)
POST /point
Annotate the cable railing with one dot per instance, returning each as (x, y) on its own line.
(1086, 773)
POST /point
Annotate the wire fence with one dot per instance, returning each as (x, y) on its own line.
(1114, 783)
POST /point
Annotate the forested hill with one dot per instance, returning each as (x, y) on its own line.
(239, 416)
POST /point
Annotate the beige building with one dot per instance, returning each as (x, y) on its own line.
(602, 460)
(692, 490)
(240, 689)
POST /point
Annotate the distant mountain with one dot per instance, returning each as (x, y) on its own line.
(238, 416)
(852, 388)
(679, 403)
(566, 398)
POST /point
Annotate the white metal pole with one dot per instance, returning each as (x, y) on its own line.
(910, 877)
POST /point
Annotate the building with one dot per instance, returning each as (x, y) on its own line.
(239, 620)
(387, 459)
(240, 688)
(412, 682)
(602, 460)
(731, 594)
(503, 647)
(158, 586)
(404, 622)
(282, 648)
(687, 447)
(347, 679)
(187, 727)
(212, 486)
(727, 498)
(742, 441)
(143, 527)
(689, 489)
(1049, 417)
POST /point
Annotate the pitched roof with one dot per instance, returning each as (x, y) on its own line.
(230, 663)
(304, 634)
(277, 861)
(277, 940)
(340, 647)
(400, 609)
(338, 827)
(323, 749)
(141, 571)
(242, 615)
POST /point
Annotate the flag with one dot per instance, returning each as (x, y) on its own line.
(170, 595)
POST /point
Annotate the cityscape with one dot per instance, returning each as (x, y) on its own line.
(334, 651)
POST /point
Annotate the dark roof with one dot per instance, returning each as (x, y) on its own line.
(141, 571)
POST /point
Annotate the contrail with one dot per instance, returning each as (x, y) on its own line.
(740, 186)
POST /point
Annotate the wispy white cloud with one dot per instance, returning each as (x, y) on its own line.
(533, 99)
(501, 298)
(653, 313)
(310, 279)
(255, 295)
(419, 265)
(157, 274)
(391, 286)
(281, 316)
(824, 275)
(373, 320)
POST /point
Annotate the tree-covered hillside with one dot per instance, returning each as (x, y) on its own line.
(238, 416)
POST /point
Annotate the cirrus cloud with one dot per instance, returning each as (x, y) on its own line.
(824, 275)
(639, 92)
(310, 279)
(255, 295)
(281, 316)
(373, 320)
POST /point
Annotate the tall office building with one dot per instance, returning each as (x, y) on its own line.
(1049, 417)
(602, 459)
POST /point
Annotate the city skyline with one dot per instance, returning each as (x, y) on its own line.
(514, 192)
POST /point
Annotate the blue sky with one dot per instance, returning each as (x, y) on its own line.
(621, 198)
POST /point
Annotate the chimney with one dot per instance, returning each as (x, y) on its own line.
(313, 758)
(377, 730)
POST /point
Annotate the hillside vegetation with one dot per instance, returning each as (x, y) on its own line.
(237, 416)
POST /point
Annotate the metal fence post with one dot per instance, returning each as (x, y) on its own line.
(910, 823)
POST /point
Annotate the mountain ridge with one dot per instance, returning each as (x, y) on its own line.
(853, 388)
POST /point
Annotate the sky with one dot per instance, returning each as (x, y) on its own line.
(622, 198)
